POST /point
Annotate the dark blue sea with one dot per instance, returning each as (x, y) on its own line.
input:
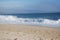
(40, 19)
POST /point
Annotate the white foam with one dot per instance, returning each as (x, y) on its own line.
(35, 21)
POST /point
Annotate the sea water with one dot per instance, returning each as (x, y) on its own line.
(40, 19)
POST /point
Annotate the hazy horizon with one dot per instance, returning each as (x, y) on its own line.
(29, 6)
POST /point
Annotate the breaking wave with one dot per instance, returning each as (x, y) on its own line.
(9, 19)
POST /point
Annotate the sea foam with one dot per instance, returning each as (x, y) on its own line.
(9, 19)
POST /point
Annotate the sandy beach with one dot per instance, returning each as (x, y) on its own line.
(28, 32)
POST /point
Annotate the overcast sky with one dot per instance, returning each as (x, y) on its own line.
(29, 6)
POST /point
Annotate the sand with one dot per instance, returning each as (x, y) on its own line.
(28, 32)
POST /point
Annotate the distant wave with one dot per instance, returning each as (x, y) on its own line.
(9, 19)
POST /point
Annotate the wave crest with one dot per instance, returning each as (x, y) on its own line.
(35, 21)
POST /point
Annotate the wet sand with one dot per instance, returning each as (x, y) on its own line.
(28, 32)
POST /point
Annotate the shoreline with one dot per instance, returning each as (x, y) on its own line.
(33, 25)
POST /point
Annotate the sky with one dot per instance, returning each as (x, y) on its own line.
(29, 6)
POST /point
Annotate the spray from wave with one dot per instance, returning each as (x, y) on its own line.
(9, 19)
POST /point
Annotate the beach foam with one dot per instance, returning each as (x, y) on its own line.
(9, 19)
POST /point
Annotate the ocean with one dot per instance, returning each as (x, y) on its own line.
(40, 19)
